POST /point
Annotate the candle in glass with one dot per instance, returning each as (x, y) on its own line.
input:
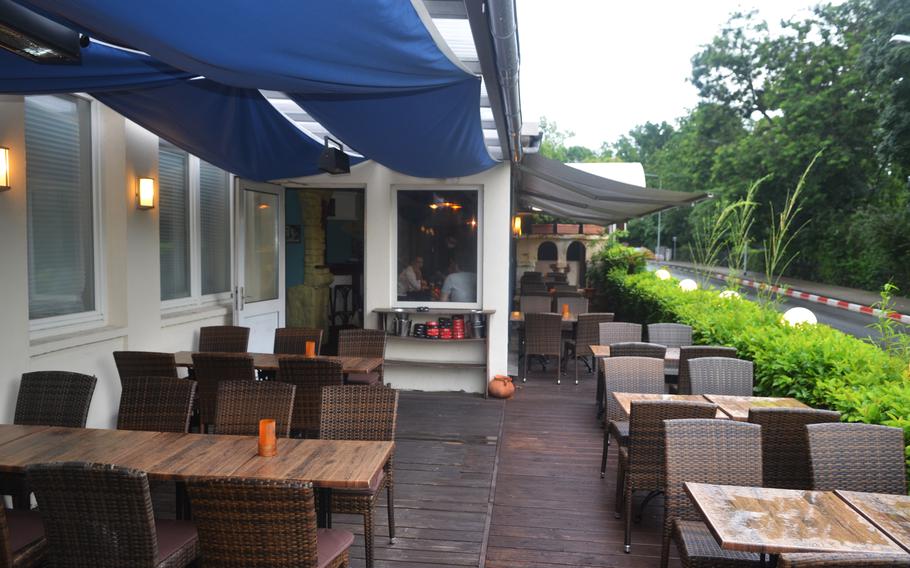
(310, 348)
(268, 445)
(565, 310)
(516, 315)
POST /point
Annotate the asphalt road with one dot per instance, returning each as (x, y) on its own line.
(853, 323)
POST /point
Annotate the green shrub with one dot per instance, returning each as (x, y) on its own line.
(816, 364)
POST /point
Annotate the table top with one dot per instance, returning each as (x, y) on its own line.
(519, 317)
(671, 356)
(269, 362)
(774, 521)
(889, 513)
(625, 400)
(336, 464)
(737, 407)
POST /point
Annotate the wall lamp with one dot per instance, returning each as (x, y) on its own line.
(4, 169)
(145, 193)
(516, 226)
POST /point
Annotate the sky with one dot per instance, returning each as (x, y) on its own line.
(601, 67)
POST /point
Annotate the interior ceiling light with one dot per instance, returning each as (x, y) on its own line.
(35, 37)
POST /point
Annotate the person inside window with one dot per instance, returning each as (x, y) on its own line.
(460, 285)
(411, 278)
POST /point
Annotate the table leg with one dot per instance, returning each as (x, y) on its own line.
(324, 519)
(601, 386)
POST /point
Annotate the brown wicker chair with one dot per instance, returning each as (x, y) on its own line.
(641, 463)
(785, 447)
(224, 339)
(626, 374)
(587, 333)
(22, 543)
(543, 336)
(857, 457)
(723, 452)
(843, 560)
(99, 515)
(157, 404)
(242, 404)
(362, 413)
(721, 375)
(536, 304)
(309, 376)
(638, 349)
(132, 364)
(292, 340)
(363, 343)
(211, 368)
(618, 332)
(54, 398)
(670, 334)
(684, 386)
(577, 304)
(252, 523)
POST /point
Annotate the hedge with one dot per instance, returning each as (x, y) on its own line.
(816, 364)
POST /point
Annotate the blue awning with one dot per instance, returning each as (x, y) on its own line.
(371, 72)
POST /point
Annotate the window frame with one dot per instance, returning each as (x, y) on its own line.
(393, 251)
(197, 299)
(49, 326)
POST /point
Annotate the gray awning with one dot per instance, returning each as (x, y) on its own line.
(564, 191)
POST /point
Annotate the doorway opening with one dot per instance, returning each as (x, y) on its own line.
(575, 258)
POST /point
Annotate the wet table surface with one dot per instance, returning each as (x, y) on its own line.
(737, 407)
(890, 513)
(625, 400)
(671, 358)
(774, 521)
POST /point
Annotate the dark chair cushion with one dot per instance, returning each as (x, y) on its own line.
(698, 546)
(363, 379)
(25, 527)
(330, 543)
(174, 537)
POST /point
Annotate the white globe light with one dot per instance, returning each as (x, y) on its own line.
(688, 285)
(730, 294)
(799, 316)
(662, 274)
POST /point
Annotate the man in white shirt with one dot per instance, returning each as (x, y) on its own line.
(410, 278)
(460, 286)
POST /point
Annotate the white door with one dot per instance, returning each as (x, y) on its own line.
(259, 293)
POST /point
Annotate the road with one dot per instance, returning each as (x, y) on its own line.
(853, 323)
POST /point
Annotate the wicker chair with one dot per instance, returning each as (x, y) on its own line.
(224, 339)
(157, 404)
(292, 340)
(211, 368)
(723, 452)
(252, 523)
(309, 376)
(535, 304)
(857, 457)
(641, 462)
(785, 447)
(587, 333)
(22, 543)
(132, 364)
(619, 332)
(670, 334)
(720, 375)
(638, 349)
(242, 404)
(626, 374)
(54, 398)
(684, 386)
(362, 413)
(543, 336)
(100, 515)
(577, 304)
(843, 560)
(363, 343)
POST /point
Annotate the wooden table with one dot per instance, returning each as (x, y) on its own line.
(737, 407)
(519, 318)
(625, 400)
(269, 362)
(774, 521)
(889, 513)
(328, 464)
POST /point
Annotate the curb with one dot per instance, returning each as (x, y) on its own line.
(833, 302)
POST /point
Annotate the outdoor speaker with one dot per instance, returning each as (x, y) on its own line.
(35, 37)
(334, 160)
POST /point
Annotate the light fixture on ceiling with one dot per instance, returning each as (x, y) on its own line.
(334, 160)
(4, 169)
(145, 193)
(536, 209)
(35, 37)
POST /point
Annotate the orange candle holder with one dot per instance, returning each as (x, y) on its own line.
(516, 315)
(565, 311)
(310, 348)
(268, 443)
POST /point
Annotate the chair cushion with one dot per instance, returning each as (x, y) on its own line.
(698, 547)
(176, 538)
(25, 527)
(330, 543)
(364, 379)
(619, 429)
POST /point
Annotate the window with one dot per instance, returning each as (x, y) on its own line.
(61, 240)
(195, 227)
(438, 246)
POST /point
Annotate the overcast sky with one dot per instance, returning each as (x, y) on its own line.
(601, 67)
